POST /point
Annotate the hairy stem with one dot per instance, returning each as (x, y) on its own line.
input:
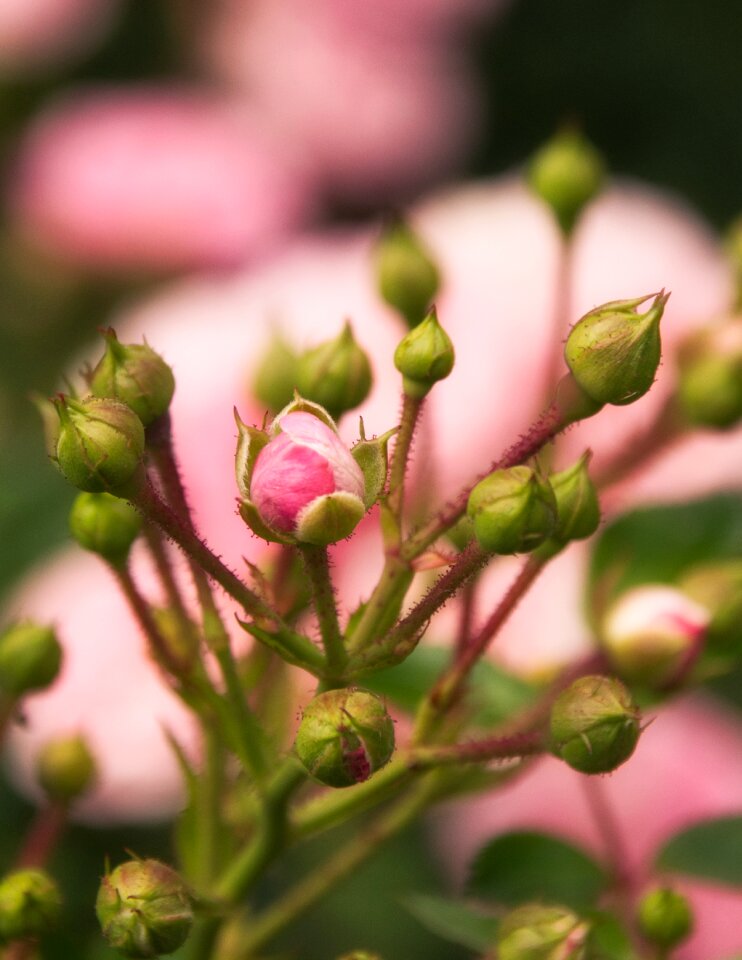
(323, 597)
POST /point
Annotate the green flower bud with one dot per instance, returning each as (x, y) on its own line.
(567, 173)
(30, 658)
(30, 904)
(539, 932)
(65, 769)
(710, 375)
(717, 587)
(344, 737)
(274, 383)
(135, 375)
(613, 352)
(664, 917)
(406, 273)
(144, 909)
(513, 511)
(336, 374)
(594, 725)
(100, 445)
(105, 525)
(424, 356)
(578, 508)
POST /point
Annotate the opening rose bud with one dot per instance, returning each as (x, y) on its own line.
(304, 483)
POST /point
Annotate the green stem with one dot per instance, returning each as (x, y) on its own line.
(383, 606)
(411, 409)
(208, 812)
(249, 735)
(323, 596)
(165, 572)
(478, 751)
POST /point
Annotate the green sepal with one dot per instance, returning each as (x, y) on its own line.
(372, 457)
(249, 444)
(329, 518)
(301, 405)
(252, 518)
(291, 647)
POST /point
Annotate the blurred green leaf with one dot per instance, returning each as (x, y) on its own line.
(454, 920)
(608, 939)
(711, 849)
(524, 865)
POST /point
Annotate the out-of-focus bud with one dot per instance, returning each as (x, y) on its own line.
(134, 374)
(65, 769)
(567, 173)
(360, 955)
(100, 444)
(300, 483)
(406, 272)
(664, 917)
(594, 725)
(653, 634)
(717, 587)
(30, 658)
(424, 356)
(540, 932)
(30, 904)
(336, 374)
(710, 375)
(105, 525)
(274, 383)
(513, 510)
(144, 909)
(578, 508)
(344, 737)
(613, 351)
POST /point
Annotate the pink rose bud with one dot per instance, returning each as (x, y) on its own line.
(305, 483)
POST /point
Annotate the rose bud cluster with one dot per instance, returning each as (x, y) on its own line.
(541, 932)
(30, 904)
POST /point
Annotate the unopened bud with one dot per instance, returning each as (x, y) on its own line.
(100, 444)
(30, 658)
(513, 510)
(717, 588)
(567, 173)
(710, 375)
(336, 374)
(144, 909)
(407, 275)
(424, 356)
(594, 725)
(274, 383)
(135, 375)
(578, 508)
(613, 352)
(105, 525)
(65, 769)
(540, 932)
(30, 905)
(344, 737)
(653, 634)
(664, 917)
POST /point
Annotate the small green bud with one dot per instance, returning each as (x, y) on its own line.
(578, 508)
(336, 374)
(30, 904)
(594, 725)
(664, 917)
(613, 352)
(30, 658)
(424, 356)
(344, 737)
(539, 932)
(135, 375)
(710, 375)
(144, 909)
(717, 587)
(406, 272)
(513, 511)
(275, 381)
(65, 769)
(567, 173)
(105, 525)
(100, 445)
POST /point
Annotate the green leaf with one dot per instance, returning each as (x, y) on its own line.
(608, 939)
(524, 865)
(711, 849)
(454, 920)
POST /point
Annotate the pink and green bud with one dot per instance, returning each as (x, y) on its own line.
(30, 659)
(664, 917)
(710, 375)
(105, 525)
(100, 445)
(578, 508)
(613, 352)
(653, 635)
(512, 511)
(66, 769)
(567, 173)
(594, 725)
(406, 273)
(539, 932)
(424, 356)
(144, 909)
(336, 374)
(275, 378)
(344, 737)
(135, 375)
(30, 905)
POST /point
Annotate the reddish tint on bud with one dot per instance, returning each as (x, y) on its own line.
(537, 931)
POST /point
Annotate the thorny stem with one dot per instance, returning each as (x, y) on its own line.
(411, 409)
(163, 565)
(323, 596)
(510, 747)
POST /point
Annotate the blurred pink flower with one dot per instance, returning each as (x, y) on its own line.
(153, 179)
